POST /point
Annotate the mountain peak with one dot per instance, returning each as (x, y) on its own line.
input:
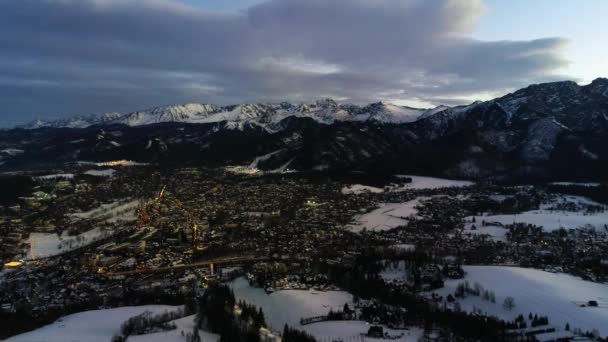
(535, 100)
(326, 103)
(600, 80)
(78, 121)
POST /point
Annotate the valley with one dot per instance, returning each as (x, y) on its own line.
(304, 246)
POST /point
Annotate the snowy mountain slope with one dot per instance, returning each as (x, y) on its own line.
(531, 126)
(80, 121)
(553, 130)
(267, 115)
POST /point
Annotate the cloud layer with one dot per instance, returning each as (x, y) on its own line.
(74, 56)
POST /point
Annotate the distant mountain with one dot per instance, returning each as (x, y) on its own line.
(267, 115)
(544, 131)
(80, 121)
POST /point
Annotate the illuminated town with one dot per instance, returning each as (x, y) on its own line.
(139, 236)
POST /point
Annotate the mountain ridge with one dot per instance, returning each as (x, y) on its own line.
(554, 130)
(324, 111)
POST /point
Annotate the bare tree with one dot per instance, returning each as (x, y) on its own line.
(509, 303)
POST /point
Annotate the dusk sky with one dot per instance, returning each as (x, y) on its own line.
(65, 57)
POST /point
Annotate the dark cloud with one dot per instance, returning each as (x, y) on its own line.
(74, 56)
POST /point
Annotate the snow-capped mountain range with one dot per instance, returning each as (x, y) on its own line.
(554, 130)
(266, 115)
(79, 121)
(558, 100)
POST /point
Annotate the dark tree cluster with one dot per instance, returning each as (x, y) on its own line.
(295, 335)
(596, 193)
(366, 285)
(216, 313)
(14, 187)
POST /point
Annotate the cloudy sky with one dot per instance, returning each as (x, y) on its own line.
(65, 57)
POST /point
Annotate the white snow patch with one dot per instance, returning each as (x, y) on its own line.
(417, 183)
(496, 233)
(57, 176)
(353, 330)
(289, 306)
(44, 245)
(283, 168)
(12, 151)
(100, 173)
(576, 184)
(559, 296)
(554, 219)
(420, 182)
(89, 326)
(185, 325)
(110, 212)
(405, 247)
(112, 163)
(388, 216)
(394, 271)
(358, 189)
(265, 157)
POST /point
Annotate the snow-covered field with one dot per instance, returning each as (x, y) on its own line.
(12, 151)
(577, 184)
(553, 219)
(288, 306)
(44, 245)
(388, 216)
(418, 183)
(100, 173)
(111, 212)
(496, 233)
(91, 326)
(112, 163)
(358, 189)
(185, 324)
(57, 176)
(394, 271)
(404, 247)
(352, 330)
(555, 295)
(257, 160)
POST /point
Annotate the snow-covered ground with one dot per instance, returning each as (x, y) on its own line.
(289, 306)
(111, 212)
(185, 324)
(44, 245)
(496, 233)
(257, 160)
(352, 330)
(91, 326)
(57, 176)
(404, 247)
(358, 189)
(394, 271)
(100, 173)
(577, 184)
(12, 151)
(388, 216)
(418, 183)
(112, 163)
(556, 295)
(553, 219)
